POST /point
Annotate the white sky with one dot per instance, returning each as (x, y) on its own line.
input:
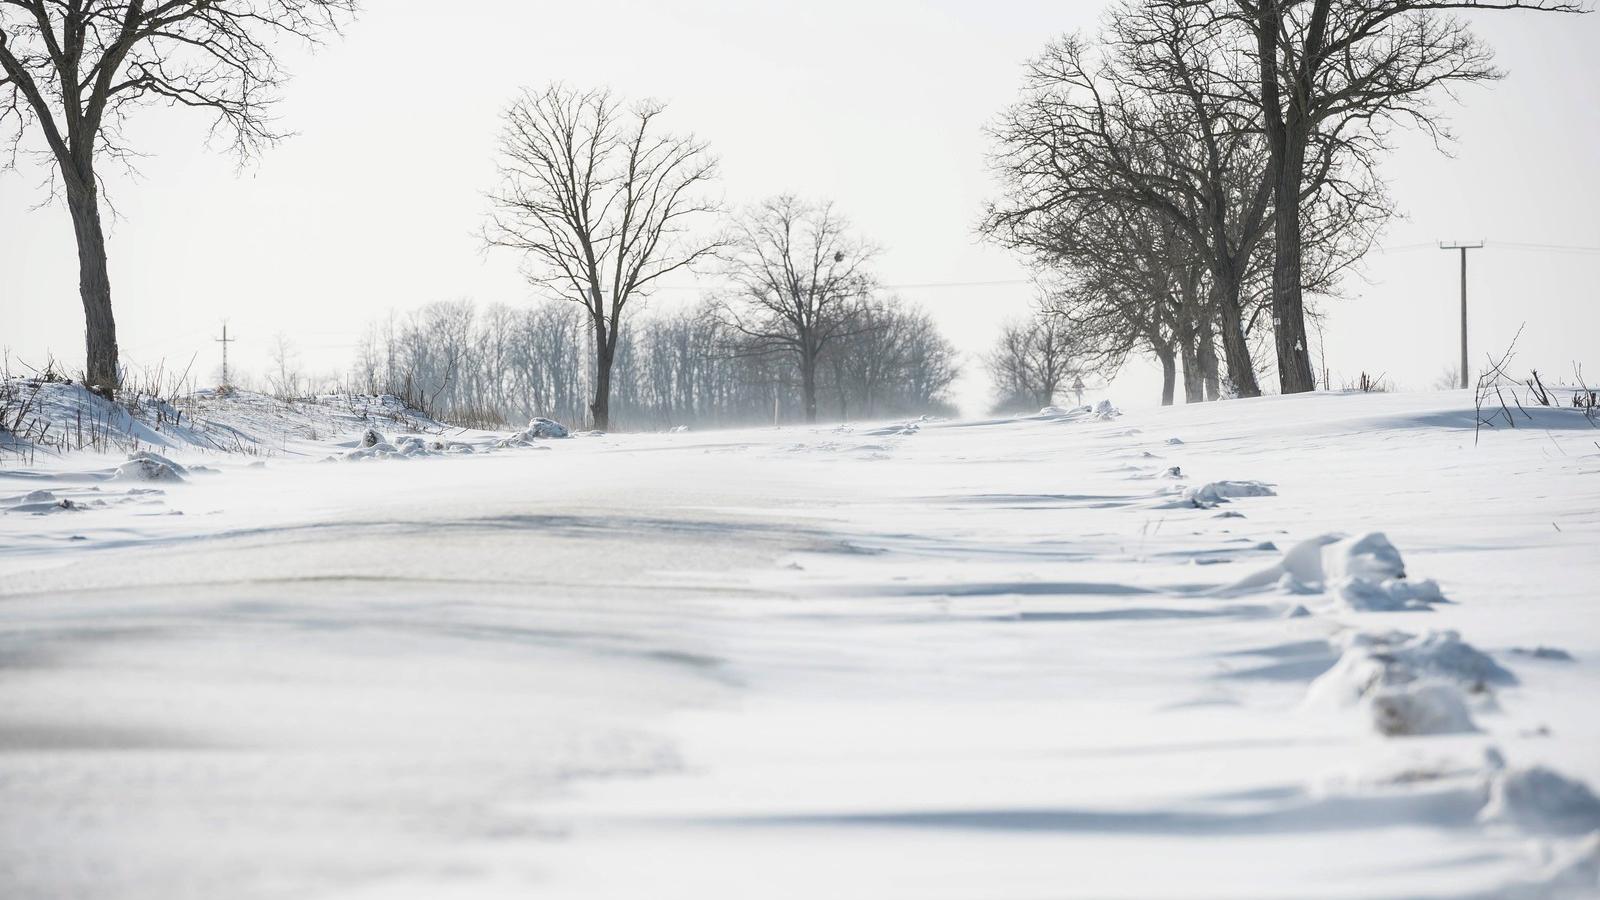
(879, 106)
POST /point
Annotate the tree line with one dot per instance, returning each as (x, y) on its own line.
(1186, 179)
(486, 366)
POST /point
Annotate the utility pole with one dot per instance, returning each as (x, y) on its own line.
(225, 341)
(1463, 247)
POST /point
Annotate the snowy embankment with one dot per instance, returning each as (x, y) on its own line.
(58, 418)
(1313, 646)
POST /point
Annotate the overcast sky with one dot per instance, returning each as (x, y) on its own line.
(878, 106)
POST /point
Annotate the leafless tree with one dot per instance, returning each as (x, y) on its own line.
(1032, 361)
(1148, 119)
(601, 203)
(72, 72)
(891, 360)
(1332, 78)
(796, 272)
(284, 377)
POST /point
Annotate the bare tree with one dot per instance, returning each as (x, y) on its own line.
(284, 378)
(1032, 361)
(796, 271)
(1332, 77)
(73, 71)
(892, 360)
(601, 204)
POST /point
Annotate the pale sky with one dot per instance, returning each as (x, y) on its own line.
(876, 105)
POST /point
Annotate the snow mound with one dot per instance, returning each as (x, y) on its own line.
(1370, 557)
(1373, 661)
(1418, 709)
(1410, 684)
(1391, 595)
(44, 502)
(1067, 413)
(1360, 574)
(147, 466)
(1542, 652)
(1538, 799)
(1213, 494)
(892, 430)
(1104, 410)
(408, 446)
(539, 429)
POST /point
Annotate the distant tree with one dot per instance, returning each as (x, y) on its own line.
(601, 204)
(892, 360)
(796, 272)
(72, 72)
(1032, 361)
(284, 377)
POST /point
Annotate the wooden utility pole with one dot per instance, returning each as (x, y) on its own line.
(1463, 247)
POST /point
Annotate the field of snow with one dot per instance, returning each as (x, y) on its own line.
(1320, 646)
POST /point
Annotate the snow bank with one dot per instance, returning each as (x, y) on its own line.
(60, 416)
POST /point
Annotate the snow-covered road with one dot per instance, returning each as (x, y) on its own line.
(970, 660)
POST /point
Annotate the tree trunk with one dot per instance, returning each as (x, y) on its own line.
(1169, 374)
(1193, 390)
(605, 354)
(94, 287)
(1286, 147)
(1288, 311)
(1207, 351)
(1241, 368)
(808, 385)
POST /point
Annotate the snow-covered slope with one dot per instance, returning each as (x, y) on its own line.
(1318, 646)
(54, 417)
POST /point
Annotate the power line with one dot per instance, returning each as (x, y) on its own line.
(1559, 248)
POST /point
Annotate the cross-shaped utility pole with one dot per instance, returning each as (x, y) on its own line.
(225, 341)
(1463, 247)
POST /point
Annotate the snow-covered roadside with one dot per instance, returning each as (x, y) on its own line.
(1059, 656)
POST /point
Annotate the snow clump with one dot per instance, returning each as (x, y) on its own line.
(1410, 684)
(147, 466)
(1213, 494)
(1538, 799)
(1360, 574)
(539, 428)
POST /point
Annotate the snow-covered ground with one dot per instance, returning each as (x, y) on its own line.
(1322, 646)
